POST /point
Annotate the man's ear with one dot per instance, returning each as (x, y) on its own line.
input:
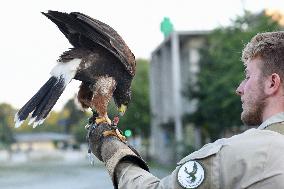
(272, 84)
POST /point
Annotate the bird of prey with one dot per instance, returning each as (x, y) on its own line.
(99, 58)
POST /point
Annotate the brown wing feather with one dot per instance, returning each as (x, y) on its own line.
(83, 31)
(114, 39)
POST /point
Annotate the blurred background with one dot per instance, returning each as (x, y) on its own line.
(188, 67)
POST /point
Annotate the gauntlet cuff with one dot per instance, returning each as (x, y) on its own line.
(114, 151)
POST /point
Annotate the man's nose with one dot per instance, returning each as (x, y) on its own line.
(240, 89)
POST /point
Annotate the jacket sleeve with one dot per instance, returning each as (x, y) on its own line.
(131, 176)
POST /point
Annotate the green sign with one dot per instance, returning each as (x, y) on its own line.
(166, 27)
(128, 133)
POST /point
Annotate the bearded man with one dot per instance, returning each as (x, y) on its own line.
(253, 159)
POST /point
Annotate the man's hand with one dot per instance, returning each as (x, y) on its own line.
(109, 146)
(98, 134)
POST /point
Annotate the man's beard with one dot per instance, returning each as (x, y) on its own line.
(252, 116)
(253, 112)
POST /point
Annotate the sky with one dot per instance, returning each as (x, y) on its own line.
(30, 44)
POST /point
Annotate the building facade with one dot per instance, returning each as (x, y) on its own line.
(174, 63)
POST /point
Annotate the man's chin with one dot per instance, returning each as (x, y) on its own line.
(250, 119)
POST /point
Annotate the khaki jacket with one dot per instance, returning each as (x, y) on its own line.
(253, 160)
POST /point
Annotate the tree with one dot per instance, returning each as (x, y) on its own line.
(6, 123)
(71, 116)
(79, 131)
(74, 120)
(221, 70)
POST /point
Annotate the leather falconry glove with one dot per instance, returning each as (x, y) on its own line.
(109, 146)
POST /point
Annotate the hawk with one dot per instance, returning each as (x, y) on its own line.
(100, 59)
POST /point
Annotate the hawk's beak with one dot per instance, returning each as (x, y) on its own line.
(122, 109)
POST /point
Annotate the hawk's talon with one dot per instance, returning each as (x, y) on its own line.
(100, 120)
(115, 133)
(120, 136)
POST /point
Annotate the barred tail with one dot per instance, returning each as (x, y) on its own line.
(42, 102)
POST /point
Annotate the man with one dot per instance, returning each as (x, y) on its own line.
(253, 159)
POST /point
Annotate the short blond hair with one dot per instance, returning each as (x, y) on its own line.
(269, 47)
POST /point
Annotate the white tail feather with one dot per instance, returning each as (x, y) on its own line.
(17, 121)
(31, 121)
(67, 70)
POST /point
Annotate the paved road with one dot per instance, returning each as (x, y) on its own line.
(57, 175)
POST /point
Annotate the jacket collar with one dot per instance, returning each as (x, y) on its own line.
(278, 118)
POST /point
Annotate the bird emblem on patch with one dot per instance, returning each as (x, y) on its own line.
(190, 174)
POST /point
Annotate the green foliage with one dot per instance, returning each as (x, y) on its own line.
(74, 120)
(72, 116)
(221, 72)
(79, 131)
(6, 123)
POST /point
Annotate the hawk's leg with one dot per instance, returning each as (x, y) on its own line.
(115, 131)
(103, 119)
(102, 93)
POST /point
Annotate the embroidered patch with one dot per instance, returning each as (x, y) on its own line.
(190, 174)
